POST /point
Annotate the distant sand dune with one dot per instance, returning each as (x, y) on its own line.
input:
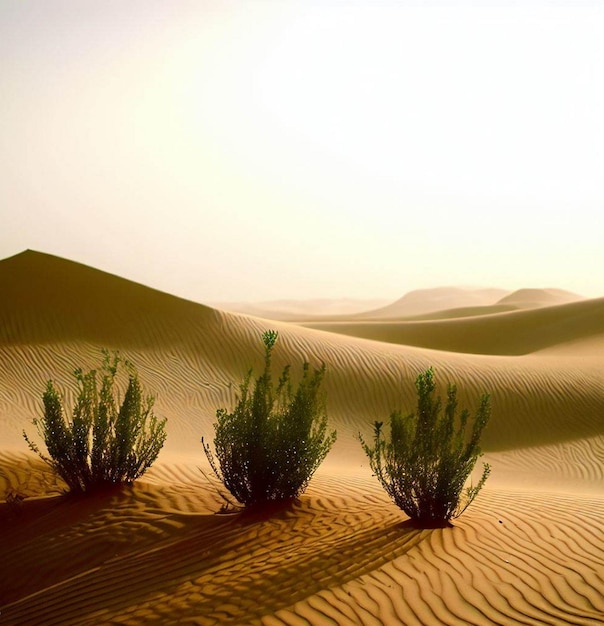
(293, 310)
(425, 301)
(533, 298)
(529, 551)
(505, 333)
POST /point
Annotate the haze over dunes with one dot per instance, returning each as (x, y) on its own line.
(530, 549)
(420, 304)
(422, 301)
(295, 310)
(532, 298)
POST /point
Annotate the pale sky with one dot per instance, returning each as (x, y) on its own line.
(252, 150)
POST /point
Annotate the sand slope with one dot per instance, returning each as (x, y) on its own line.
(529, 551)
(507, 333)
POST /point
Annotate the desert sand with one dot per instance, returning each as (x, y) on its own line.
(530, 550)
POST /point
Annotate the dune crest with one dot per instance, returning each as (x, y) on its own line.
(534, 298)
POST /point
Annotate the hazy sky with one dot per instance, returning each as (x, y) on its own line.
(252, 150)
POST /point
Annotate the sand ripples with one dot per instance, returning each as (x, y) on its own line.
(529, 551)
(484, 571)
(342, 555)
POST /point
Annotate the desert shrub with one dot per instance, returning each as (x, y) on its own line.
(269, 447)
(100, 445)
(430, 455)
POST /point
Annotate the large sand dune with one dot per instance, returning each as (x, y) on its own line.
(529, 551)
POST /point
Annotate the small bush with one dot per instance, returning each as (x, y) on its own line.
(100, 445)
(425, 465)
(269, 447)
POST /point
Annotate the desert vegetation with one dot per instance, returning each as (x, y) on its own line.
(268, 448)
(101, 444)
(430, 455)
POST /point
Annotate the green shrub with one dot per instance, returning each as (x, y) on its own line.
(100, 445)
(269, 447)
(430, 455)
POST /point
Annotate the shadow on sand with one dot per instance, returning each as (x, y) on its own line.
(230, 568)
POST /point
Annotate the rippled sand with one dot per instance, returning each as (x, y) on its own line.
(530, 550)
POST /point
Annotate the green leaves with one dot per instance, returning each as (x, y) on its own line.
(269, 339)
(426, 463)
(269, 447)
(100, 445)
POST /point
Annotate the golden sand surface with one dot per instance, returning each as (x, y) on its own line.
(530, 550)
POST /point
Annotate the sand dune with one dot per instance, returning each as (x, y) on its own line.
(425, 301)
(533, 298)
(423, 304)
(507, 333)
(529, 551)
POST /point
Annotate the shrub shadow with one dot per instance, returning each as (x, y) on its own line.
(254, 563)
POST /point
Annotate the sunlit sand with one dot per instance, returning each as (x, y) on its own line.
(530, 550)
